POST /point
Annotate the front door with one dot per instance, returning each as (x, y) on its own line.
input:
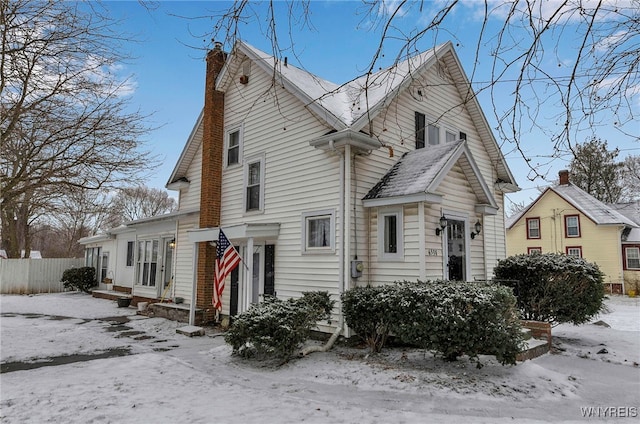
(261, 279)
(456, 251)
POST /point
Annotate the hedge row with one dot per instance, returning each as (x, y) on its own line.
(451, 318)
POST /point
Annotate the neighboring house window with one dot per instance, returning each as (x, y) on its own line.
(534, 250)
(572, 226)
(420, 134)
(632, 257)
(234, 144)
(390, 236)
(254, 185)
(318, 231)
(533, 228)
(130, 253)
(575, 251)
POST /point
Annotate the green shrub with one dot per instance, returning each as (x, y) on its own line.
(277, 328)
(553, 287)
(451, 318)
(456, 318)
(82, 278)
(367, 311)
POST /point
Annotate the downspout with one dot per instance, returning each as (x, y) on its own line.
(341, 213)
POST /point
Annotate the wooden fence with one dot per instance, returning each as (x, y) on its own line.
(30, 276)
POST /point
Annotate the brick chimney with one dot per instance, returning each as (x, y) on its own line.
(564, 177)
(211, 181)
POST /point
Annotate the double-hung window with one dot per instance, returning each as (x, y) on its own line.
(390, 234)
(575, 251)
(533, 228)
(318, 231)
(233, 147)
(632, 257)
(572, 225)
(254, 185)
(425, 133)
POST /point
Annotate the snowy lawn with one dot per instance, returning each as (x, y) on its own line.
(165, 377)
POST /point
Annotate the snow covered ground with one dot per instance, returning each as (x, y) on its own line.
(164, 377)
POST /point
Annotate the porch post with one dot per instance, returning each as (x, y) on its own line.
(248, 293)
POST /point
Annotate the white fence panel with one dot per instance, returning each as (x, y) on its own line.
(30, 276)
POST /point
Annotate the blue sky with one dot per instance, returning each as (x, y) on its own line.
(168, 69)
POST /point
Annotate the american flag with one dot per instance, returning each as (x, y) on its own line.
(227, 258)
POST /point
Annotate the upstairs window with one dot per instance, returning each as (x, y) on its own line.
(533, 228)
(450, 136)
(572, 226)
(234, 144)
(632, 257)
(254, 185)
(433, 134)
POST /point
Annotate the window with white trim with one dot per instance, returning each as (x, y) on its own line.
(632, 257)
(254, 185)
(574, 251)
(450, 136)
(233, 147)
(390, 234)
(433, 134)
(533, 228)
(147, 262)
(534, 250)
(572, 225)
(318, 234)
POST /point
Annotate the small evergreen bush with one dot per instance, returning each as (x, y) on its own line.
(553, 287)
(82, 278)
(452, 318)
(277, 328)
(368, 311)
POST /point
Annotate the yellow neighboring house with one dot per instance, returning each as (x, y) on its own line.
(566, 219)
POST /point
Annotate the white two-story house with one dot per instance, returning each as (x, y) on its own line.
(392, 176)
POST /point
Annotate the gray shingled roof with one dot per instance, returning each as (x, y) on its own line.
(422, 170)
(594, 209)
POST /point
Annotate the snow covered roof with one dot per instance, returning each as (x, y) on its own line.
(600, 213)
(418, 173)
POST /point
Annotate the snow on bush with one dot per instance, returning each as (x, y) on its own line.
(553, 287)
(82, 279)
(277, 328)
(450, 318)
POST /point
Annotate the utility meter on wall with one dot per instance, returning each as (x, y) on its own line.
(356, 268)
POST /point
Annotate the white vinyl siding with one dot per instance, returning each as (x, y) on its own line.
(297, 178)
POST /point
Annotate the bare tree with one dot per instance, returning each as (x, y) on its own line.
(133, 203)
(521, 42)
(631, 179)
(64, 122)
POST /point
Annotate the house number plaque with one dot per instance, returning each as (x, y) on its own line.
(432, 252)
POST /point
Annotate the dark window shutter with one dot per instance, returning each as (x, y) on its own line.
(463, 136)
(420, 121)
(269, 269)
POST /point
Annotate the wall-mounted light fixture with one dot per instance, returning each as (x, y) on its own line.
(172, 243)
(443, 225)
(478, 228)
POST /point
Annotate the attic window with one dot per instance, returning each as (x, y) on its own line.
(572, 226)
